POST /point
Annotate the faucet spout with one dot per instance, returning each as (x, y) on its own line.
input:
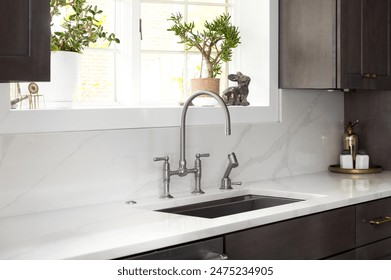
(182, 160)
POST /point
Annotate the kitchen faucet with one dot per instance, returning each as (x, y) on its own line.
(182, 169)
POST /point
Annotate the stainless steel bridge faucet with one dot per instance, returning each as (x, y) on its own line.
(182, 169)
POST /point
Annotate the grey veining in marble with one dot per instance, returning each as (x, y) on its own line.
(113, 230)
(43, 172)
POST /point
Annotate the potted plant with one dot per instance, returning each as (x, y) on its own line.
(215, 44)
(75, 25)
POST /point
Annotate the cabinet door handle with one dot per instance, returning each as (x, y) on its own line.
(380, 221)
(212, 257)
(367, 75)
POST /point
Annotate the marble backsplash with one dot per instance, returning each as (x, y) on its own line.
(48, 171)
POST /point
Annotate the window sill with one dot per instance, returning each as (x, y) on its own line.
(37, 121)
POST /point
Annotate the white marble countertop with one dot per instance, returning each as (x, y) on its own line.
(114, 230)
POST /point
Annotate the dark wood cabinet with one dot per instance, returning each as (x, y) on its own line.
(25, 40)
(361, 231)
(373, 221)
(373, 232)
(335, 44)
(380, 250)
(199, 250)
(311, 237)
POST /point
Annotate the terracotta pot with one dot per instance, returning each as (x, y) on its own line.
(210, 84)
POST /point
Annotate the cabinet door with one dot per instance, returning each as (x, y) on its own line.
(373, 221)
(25, 40)
(307, 44)
(365, 44)
(312, 237)
(200, 250)
(376, 251)
(380, 250)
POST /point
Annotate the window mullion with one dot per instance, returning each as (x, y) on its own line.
(154, 48)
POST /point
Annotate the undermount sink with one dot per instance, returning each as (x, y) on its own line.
(229, 206)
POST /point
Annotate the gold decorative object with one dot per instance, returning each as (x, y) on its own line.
(350, 140)
(371, 170)
(34, 96)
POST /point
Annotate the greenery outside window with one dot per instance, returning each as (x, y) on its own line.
(257, 57)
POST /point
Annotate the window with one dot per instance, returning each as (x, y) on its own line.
(257, 57)
(165, 61)
(98, 63)
(161, 59)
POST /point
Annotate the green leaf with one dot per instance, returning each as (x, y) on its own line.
(215, 42)
(80, 28)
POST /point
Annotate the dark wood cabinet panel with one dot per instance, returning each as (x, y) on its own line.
(25, 40)
(365, 44)
(346, 44)
(366, 216)
(199, 250)
(380, 250)
(339, 234)
(312, 237)
(307, 43)
(373, 110)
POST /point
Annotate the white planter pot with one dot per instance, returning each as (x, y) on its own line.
(65, 80)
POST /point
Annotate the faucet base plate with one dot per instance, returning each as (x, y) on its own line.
(198, 192)
(164, 196)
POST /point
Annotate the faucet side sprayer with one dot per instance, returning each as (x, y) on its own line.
(226, 183)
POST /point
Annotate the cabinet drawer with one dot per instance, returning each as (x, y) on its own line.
(201, 250)
(310, 237)
(380, 250)
(368, 213)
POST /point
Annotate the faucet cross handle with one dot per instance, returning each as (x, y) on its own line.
(161, 159)
(166, 176)
(202, 155)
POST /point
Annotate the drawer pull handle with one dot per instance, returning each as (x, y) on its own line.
(380, 221)
(217, 257)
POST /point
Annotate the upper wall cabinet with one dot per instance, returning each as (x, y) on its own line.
(25, 40)
(335, 44)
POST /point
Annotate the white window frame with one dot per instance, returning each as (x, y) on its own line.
(43, 121)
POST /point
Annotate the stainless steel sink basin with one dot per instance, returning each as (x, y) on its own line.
(229, 206)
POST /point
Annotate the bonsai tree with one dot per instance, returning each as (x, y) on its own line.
(80, 28)
(215, 42)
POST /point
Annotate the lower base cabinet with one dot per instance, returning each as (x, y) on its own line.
(211, 249)
(311, 237)
(373, 232)
(361, 231)
(380, 250)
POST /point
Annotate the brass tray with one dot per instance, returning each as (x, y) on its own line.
(373, 169)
